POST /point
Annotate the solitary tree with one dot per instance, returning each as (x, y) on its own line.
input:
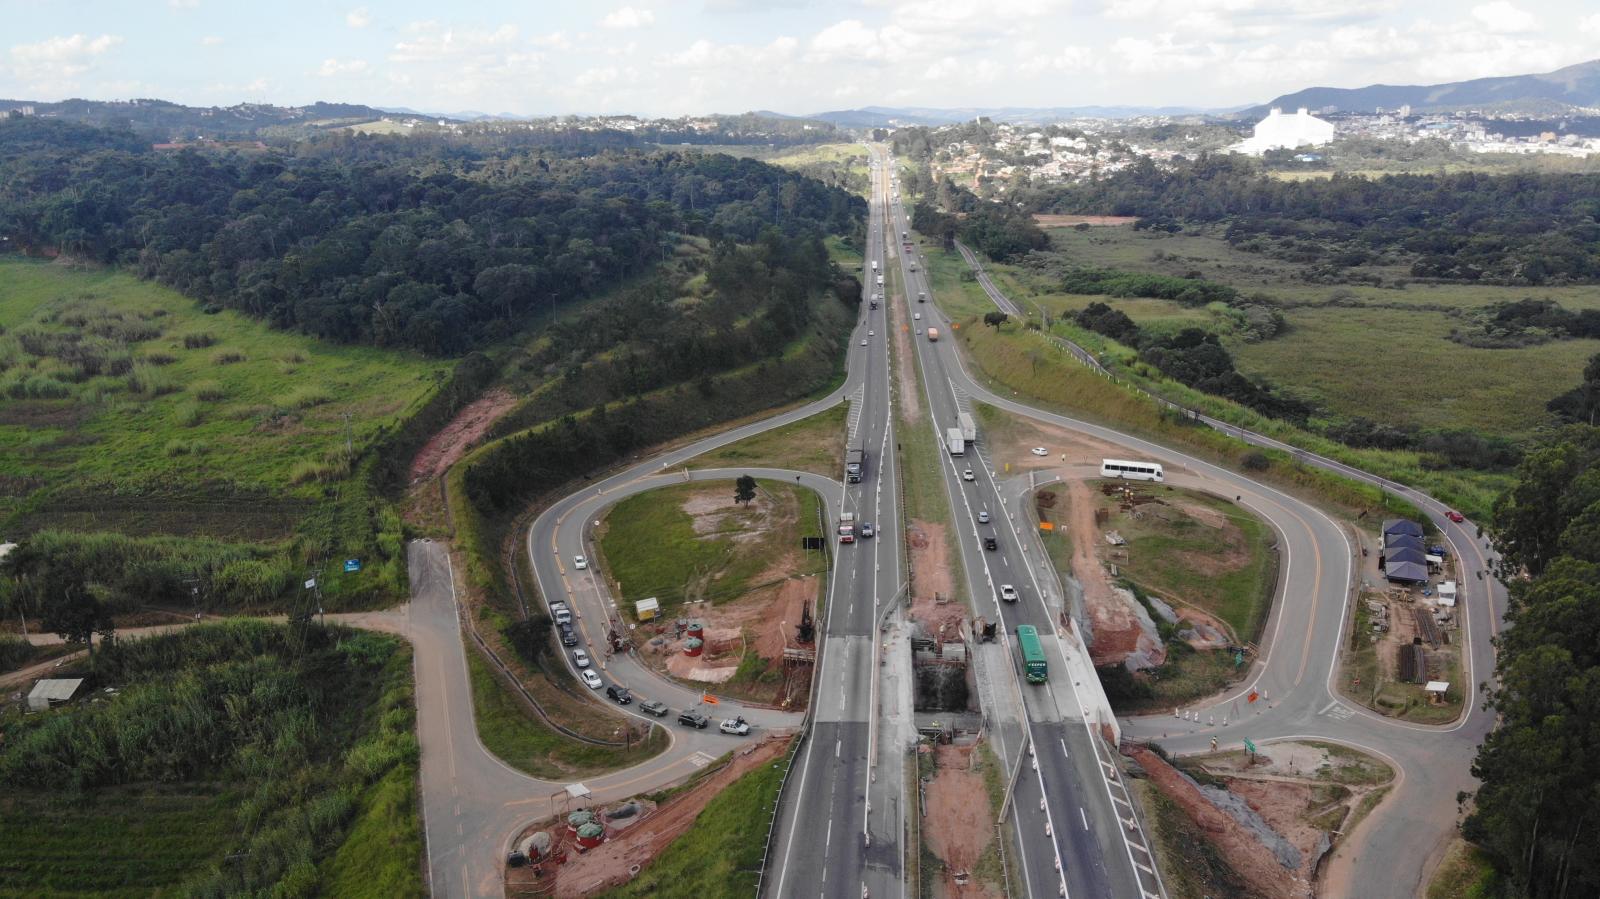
(76, 616)
(995, 319)
(744, 489)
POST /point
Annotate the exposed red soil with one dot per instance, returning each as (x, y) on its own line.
(607, 865)
(932, 579)
(1115, 624)
(1048, 220)
(959, 823)
(905, 364)
(447, 447)
(1252, 860)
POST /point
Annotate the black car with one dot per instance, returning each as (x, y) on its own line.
(654, 707)
(693, 719)
(990, 544)
(620, 694)
(569, 637)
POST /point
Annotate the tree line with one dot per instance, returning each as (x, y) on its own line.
(1521, 229)
(428, 252)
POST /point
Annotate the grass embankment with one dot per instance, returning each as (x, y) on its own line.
(519, 738)
(814, 444)
(692, 541)
(720, 855)
(1191, 867)
(1219, 559)
(238, 758)
(1466, 872)
(1355, 350)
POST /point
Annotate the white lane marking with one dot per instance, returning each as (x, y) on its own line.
(838, 747)
(1084, 817)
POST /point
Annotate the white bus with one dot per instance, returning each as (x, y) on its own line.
(1138, 471)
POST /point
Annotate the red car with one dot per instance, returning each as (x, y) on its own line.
(1455, 516)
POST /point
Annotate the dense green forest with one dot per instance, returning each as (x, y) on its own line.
(1526, 229)
(387, 248)
(1540, 767)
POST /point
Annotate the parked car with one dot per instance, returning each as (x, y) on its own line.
(736, 726)
(983, 517)
(693, 719)
(591, 679)
(580, 658)
(1455, 516)
(866, 529)
(1008, 593)
(967, 475)
(654, 707)
(619, 693)
(580, 563)
(1039, 451)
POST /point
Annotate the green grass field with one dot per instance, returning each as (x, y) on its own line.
(1219, 558)
(121, 394)
(512, 732)
(720, 855)
(1382, 353)
(1465, 873)
(814, 444)
(127, 842)
(652, 546)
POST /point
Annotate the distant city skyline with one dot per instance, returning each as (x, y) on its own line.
(792, 56)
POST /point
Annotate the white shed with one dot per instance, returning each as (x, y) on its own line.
(52, 692)
(1447, 594)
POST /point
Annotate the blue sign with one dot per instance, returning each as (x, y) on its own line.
(352, 564)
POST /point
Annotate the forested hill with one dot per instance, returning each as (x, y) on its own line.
(389, 248)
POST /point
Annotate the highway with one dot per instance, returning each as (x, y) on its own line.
(828, 844)
(1084, 827)
(1394, 851)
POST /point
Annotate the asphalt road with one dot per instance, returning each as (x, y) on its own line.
(839, 834)
(1394, 851)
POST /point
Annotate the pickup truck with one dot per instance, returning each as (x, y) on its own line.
(736, 726)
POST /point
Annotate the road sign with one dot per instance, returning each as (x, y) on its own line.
(1253, 696)
(352, 564)
(708, 699)
(1249, 745)
(311, 582)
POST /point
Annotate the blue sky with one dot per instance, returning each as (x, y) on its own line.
(672, 57)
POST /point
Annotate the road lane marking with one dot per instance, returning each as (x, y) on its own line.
(1085, 818)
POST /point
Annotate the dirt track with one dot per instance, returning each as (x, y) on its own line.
(447, 447)
(959, 820)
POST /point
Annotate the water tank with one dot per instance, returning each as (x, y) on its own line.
(591, 835)
(693, 646)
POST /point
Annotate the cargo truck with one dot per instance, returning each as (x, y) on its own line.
(874, 265)
(958, 444)
(933, 335)
(969, 428)
(880, 280)
(855, 462)
(847, 527)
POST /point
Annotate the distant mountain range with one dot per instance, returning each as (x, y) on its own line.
(176, 121)
(891, 116)
(1575, 85)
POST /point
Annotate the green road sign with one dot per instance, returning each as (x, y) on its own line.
(1238, 659)
(1249, 745)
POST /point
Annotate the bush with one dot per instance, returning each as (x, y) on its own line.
(209, 391)
(1255, 462)
(198, 341)
(226, 357)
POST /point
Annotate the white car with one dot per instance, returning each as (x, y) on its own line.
(1008, 593)
(863, 341)
(580, 563)
(1039, 451)
(983, 517)
(591, 680)
(580, 658)
(736, 726)
(872, 333)
(917, 316)
(968, 475)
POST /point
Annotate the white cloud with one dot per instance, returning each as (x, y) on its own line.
(1059, 59)
(852, 40)
(555, 40)
(54, 62)
(211, 40)
(467, 61)
(1590, 24)
(628, 17)
(360, 17)
(704, 54)
(1164, 54)
(596, 76)
(1504, 17)
(331, 67)
(432, 42)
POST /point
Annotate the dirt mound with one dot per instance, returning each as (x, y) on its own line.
(1246, 854)
(958, 802)
(932, 579)
(905, 362)
(447, 447)
(1115, 621)
(636, 841)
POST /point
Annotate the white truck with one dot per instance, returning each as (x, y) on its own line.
(969, 428)
(957, 443)
(874, 265)
(847, 527)
(880, 281)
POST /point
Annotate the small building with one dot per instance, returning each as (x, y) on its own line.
(1285, 132)
(51, 692)
(1403, 526)
(1447, 594)
(647, 609)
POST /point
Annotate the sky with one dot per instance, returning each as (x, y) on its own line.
(679, 57)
